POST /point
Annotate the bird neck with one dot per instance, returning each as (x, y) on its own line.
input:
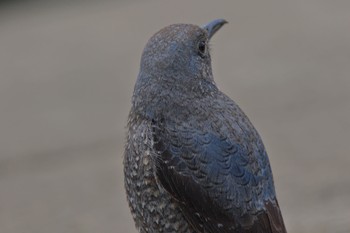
(153, 99)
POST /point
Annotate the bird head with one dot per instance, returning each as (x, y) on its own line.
(177, 58)
(179, 52)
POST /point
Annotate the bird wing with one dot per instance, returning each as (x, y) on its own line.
(220, 185)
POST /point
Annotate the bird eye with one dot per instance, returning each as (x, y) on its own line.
(202, 48)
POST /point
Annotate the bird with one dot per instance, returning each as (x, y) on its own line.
(193, 161)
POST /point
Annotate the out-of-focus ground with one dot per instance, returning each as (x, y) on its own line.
(67, 71)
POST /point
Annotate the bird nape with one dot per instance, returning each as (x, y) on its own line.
(193, 161)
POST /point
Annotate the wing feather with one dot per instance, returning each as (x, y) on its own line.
(220, 184)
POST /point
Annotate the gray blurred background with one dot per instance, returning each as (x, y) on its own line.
(67, 70)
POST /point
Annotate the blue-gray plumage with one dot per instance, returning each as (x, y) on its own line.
(193, 161)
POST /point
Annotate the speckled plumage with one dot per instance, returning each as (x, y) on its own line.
(193, 161)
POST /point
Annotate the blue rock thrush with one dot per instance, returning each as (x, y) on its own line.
(193, 160)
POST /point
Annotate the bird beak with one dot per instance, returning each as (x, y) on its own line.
(214, 26)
